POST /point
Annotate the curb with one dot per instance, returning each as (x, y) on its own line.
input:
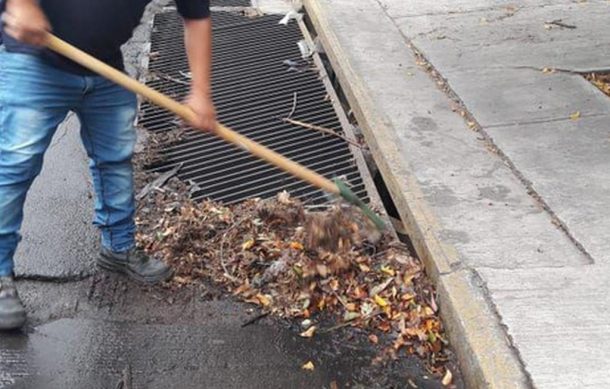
(485, 355)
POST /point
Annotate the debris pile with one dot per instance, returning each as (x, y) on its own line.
(298, 264)
(600, 80)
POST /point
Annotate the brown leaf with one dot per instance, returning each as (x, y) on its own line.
(309, 333)
(264, 300)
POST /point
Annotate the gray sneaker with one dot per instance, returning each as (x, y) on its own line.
(136, 265)
(12, 311)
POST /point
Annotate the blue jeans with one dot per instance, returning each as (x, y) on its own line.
(34, 99)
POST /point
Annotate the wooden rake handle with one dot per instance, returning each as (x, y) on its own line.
(188, 115)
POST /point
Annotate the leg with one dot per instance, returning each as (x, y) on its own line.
(107, 116)
(31, 107)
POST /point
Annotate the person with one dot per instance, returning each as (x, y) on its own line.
(38, 88)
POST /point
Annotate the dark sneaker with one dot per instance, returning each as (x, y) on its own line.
(136, 265)
(12, 311)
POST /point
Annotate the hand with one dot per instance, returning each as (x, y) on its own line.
(25, 21)
(203, 106)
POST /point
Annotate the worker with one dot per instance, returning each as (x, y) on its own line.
(39, 88)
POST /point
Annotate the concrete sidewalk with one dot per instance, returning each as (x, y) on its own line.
(504, 195)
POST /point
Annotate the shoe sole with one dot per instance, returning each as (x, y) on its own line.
(12, 322)
(113, 267)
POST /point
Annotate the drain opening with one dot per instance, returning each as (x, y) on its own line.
(380, 185)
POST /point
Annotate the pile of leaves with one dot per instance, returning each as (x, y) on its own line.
(602, 81)
(298, 264)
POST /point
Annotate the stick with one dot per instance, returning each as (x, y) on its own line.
(262, 152)
(169, 78)
(559, 23)
(322, 129)
(294, 105)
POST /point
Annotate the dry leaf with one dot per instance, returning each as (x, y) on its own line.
(380, 301)
(247, 245)
(364, 268)
(264, 300)
(373, 338)
(448, 378)
(308, 366)
(309, 333)
(333, 385)
(296, 246)
(388, 270)
(575, 115)
(284, 198)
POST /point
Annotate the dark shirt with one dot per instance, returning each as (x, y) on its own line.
(98, 27)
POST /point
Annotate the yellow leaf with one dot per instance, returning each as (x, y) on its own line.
(388, 270)
(380, 301)
(308, 366)
(296, 246)
(364, 268)
(448, 378)
(247, 245)
(264, 300)
(309, 333)
(575, 115)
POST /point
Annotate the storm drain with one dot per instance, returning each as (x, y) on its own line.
(254, 88)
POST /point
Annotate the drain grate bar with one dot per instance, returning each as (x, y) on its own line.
(253, 90)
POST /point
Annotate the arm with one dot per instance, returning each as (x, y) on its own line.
(25, 21)
(198, 43)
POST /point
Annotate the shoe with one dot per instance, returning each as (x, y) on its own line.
(135, 264)
(12, 311)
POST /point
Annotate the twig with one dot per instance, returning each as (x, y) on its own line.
(158, 182)
(294, 105)
(340, 299)
(255, 319)
(322, 129)
(222, 245)
(349, 323)
(170, 78)
(559, 23)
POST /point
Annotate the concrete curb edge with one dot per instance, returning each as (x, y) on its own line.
(486, 357)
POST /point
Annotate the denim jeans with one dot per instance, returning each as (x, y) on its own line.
(34, 99)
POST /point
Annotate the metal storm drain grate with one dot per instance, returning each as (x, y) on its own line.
(230, 3)
(253, 90)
